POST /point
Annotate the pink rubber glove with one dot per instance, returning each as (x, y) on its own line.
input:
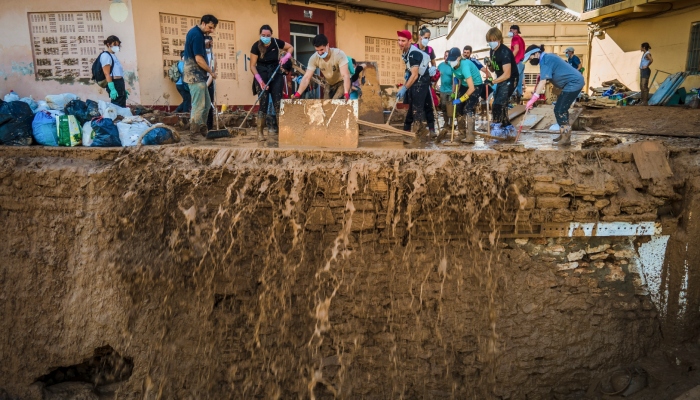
(532, 101)
(260, 81)
(285, 58)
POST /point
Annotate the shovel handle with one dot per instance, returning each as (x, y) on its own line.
(267, 85)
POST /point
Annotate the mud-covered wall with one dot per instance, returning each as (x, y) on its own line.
(232, 274)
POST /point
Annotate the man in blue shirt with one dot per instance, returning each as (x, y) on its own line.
(446, 90)
(196, 70)
(573, 59)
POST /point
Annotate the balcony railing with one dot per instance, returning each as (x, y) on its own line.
(596, 4)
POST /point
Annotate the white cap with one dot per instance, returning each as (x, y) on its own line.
(569, 49)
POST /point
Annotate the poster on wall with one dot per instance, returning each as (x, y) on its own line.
(65, 44)
(387, 54)
(173, 30)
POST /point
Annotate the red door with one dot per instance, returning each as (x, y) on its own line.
(287, 14)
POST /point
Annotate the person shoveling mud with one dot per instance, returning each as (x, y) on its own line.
(196, 69)
(470, 83)
(416, 91)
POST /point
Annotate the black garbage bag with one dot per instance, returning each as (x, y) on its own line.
(82, 111)
(106, 133)
(16, 109)
(16, 131)
(159, 136)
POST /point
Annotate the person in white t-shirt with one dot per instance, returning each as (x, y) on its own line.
(333, 63)
(114, 72)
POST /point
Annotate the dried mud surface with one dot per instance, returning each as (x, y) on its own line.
(239, 273)
(648, 120)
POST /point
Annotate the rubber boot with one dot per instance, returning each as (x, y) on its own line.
(462, 126)
(558, 138)
(261, 126)
(271, 122)
(420, 129)
(645, 98)
(469, 137)
(565, 136)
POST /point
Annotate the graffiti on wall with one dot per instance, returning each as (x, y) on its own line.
(65, 44)
(387, 54)
(173, 30)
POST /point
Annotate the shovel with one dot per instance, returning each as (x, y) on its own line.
(454, 114)
(218, 133)
(241, 130)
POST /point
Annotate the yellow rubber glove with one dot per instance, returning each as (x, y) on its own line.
(464, 98)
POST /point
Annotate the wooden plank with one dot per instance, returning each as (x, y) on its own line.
(530, 120)
(650, 158)
(516, 111)
(386, 128)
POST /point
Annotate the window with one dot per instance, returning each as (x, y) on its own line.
(531, 79)
(693, 64)
(596, 4)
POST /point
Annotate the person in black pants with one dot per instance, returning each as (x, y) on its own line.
(502, 62)
(265, 57)
(114, 73)
(183, 89)
(416, 91)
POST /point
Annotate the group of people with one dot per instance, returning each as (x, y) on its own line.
(460, 75)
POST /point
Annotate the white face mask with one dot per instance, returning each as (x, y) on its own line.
(510, 34)
(115, 49)
(493, 45)
(454, 63)
(424, 42)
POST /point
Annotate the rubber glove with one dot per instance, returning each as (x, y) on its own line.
(260, 81)
(461, 99)
(285, 58)
(127, 93)
(532, 101)
(296, 95)
(453, 96)
(347, 96)
(432, 71)
(112, 91)
(402, 92)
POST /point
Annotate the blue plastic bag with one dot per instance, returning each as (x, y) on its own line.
(158, 136)
(106, 133)
(44, 129)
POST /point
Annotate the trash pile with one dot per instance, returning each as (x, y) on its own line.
(682, 88)
(66, 120)
(612, 94)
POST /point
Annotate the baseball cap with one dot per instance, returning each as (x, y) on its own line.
(405, 34)
(515, 27)
(454, 54)
(569, 49)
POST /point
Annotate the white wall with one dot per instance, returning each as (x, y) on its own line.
(471, 31)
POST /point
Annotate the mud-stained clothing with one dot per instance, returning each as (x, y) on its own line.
(468, 107)
(503, 92)
(561, 108)
(196, 79)
(266, 65)
(336, 58)
(418, 95)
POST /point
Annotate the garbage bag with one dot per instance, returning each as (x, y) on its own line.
(69, 133)
(159, 136)
(44, 129)
(129, 133)
(106, 133)
(88, 134)
(16, 131)
(16, 109)
(112, 111)
(59, 101)
(83, 111)
(41, 105)
(30, 100)
(12, 96)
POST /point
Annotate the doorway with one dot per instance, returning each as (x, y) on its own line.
(302, 35)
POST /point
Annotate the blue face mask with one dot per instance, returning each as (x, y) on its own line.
(324, 55)
(265, 40)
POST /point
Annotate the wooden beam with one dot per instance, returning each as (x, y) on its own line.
(385, 127)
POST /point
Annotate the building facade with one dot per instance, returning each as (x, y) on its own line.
(672, 28)
(49, 47)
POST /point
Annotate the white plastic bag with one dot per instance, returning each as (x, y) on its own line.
(129, 132)
(108, 110)
(59, 101)
(41, 105)
(32, 104)
(12, 96)
(88, 134)
(123, 111)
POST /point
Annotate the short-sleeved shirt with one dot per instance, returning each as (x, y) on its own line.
(428, 50)
(476, 62)
(560, 73)
(414, 59)
(272, 52)
(465, 70)
(106, 60)
(574, 61)
(517, 39)
(445, 77)
(331, 68)
(503, 56)
(194, 46)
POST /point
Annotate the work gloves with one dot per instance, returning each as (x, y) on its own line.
(461, 99)
(286, 58)
(401, 93)
(432, 71)
(532, 101)
(112, 91)
(260, 81)
(347, 96)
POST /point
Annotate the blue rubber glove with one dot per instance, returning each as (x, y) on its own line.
(460, 100)
(127, 93)
(402, 92)
(112, 91)
(432, 71)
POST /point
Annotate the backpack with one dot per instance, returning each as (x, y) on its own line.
(423, 67)
(98, 74)
(174, 72)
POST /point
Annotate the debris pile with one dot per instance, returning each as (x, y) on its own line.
(612, 94)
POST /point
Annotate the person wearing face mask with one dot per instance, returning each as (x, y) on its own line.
(563, 76)
(470, 83)
(196, 70)
(211, 60)
(333, 64)
(116, 89)
(467, 55)
(424, 34)
(265, 57)
(517, 46)
(446, 90)
(416, 90)
(502, 62)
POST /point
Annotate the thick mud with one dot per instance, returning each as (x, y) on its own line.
(239, 273)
